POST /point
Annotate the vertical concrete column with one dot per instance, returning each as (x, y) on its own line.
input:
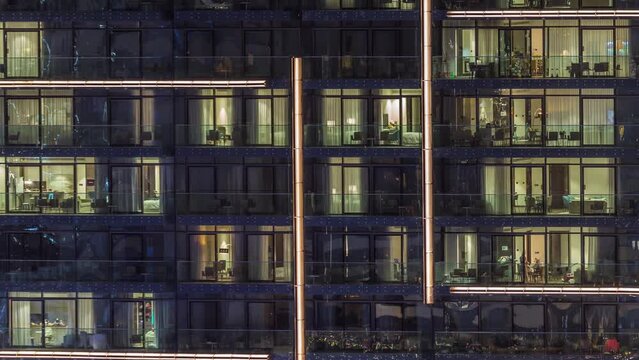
(298, 207)
(428, 278)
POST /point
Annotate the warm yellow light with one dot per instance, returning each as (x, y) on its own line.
(542, 14)
(36, 354)
(132, 84)
(545, 290)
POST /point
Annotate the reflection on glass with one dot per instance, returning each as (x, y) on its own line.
(23, 122)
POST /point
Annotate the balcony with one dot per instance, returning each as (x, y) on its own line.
(361, 4)
(233, 135)
(83, 5)
(250, 67)
(523, 66)
(47, 136)
(557, 136)
(381, 271)
(240, 203)
(560, 343)
(513, 272)
(363, 204)
(535, 4)
(65, 203)
(67, 336)
(536, 204)
(235, 340)
(364, 341)
(230, 271)
(363, 135)
(17, 270)
(362, 67)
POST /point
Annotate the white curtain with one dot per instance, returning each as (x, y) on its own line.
(126, 194)
(22, 49)
(334, 189)
(497, 189)
(353, 121)
(201, 120)
(24, 121)
(224, 118)
(562, 117)
(597, 48)
(21, 323)
(562, 50)
(622, 49)
(487, 46)
(355, 190)
(57, 121)
(331, 110)
(149, 131)
(281, 121)
(599, 122)
(260, 257)
(86, 315)
(259, 121)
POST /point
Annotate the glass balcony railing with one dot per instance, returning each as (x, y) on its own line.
(543, 136)
(151, 5)
(240, 203)
(527, 66)
(536, 4)
(362, 135)
(381, 271)
(362, 4)
(361, 67)
(64, 203)
(515, 272)
(234, 340)
(234, 135)
(250, 67)
(83, 135)
(83, 5)
(560, 204)
(235, 271)
(67, 336)
(357, 204)
(363, 341)
(86, 270)
(562, 343)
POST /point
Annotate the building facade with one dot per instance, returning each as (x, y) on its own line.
(535, 118)
(146, 165)
(147, 183)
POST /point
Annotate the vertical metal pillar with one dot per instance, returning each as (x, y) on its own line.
(298, 207)
(428, 278)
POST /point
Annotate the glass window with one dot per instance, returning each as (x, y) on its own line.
(23, 53)
(23, 122)
(91, 121)
(257, 49)
(127, 186)
(461, 316)
(57, 121)
(91, 52)
(259, 121)
(125, 121)
(357, 316)
(599, 184)
(125, 54)
(460, 257)
(201, 188)
(599, 121)
(599, 259)
(357, 258)
(24, 188)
